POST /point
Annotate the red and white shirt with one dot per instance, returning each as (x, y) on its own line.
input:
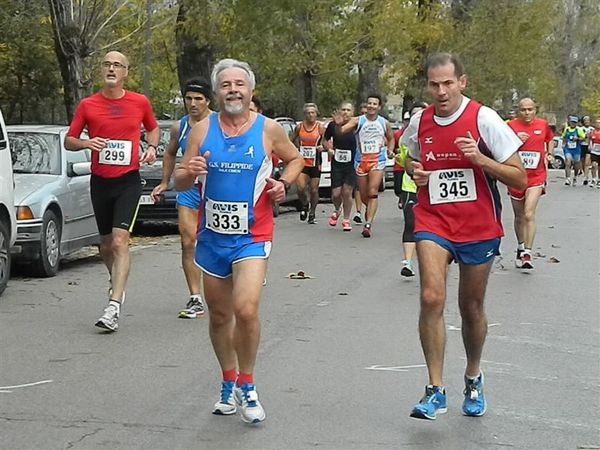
(461, 203)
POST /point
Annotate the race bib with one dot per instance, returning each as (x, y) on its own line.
(343, 156)
(308, 152)
(227, 217)
(451, 186)
(371, 147)
(571, 144)
(116, 153)
(530, 160)
(596, 149)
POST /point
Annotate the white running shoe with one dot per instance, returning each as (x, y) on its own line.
(407, 270)
(247, 397)
(226, 404)
(110, 319)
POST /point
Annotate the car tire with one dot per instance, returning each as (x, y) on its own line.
(275, 209)
(49, 256)
(382, 185)
(558, 163)
(298, 205)
(4, 255)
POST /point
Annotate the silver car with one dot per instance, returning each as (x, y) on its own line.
(52, 197)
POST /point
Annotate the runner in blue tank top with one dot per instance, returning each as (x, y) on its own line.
(197, 99)
(236, 224)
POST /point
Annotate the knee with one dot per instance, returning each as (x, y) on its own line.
(432, 301)
(120, 243)
(529, 215)
(472, 310)
(188, 243)
(246, 314)
(219, 318)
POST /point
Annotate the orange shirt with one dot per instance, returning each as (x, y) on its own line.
(309, 139)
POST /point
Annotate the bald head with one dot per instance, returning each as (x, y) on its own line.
(527, 110)
(115, 56)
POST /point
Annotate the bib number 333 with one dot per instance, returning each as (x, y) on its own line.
(227, 217)
(450, 186)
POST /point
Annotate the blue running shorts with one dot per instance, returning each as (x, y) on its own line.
(218, 261)
(189, 199)
(573, 153)
(467, 253)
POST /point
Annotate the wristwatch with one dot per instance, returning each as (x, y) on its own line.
(151, 145)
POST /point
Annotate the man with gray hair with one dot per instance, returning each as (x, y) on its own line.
(232, 151)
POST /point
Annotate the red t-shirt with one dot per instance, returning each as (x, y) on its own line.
(460, 203)
(595, 142)
(119, 120)
(533, 150)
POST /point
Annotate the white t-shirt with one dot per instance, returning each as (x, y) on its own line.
(497, 135)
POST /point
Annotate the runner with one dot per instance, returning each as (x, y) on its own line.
(236, 224)
(356, 193)
(113, 118)
(586, 160)
(595, 153)
(374, 140)
(408, 197)
(343, 178)
(458, 148)
(537, 148)
(572, 137)
(398, 169)
(197, 101)
(308, 137)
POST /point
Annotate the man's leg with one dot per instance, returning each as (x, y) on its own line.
(433, 266)
(532, 197)
(218, 294)
(471, 292)
(568, 164)
(336, 197)
(374, 181)
(188, 223)
(347, 200)
(106, 251)
(301, 182)
(120, 262)
(519, 211)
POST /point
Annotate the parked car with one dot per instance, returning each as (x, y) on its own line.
(166, 208)
(8, 219)
(52, 197)
(559, 154)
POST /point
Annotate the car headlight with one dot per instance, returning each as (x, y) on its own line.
(24, 213)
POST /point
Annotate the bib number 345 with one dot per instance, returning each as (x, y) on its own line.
(450, 186)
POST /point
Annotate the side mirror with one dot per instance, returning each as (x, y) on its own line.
(79, 169)
(3, 144)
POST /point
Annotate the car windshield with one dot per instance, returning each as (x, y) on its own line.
(35, 152)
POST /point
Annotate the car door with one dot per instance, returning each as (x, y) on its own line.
(79, 213)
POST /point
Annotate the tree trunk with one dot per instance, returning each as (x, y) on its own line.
(71, 49)
(368, 80)
(194, 59)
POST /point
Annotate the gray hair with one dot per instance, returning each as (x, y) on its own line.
(229, 63)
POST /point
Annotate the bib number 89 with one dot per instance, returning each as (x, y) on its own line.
(454, 189)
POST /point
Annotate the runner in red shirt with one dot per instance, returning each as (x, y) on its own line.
(398, 169)
(458, 150)
(537, 148)
(114, 118)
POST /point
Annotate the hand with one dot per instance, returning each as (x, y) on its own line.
(149, 156)
(331, 153)
(420, 176)
(276, 190)
(97, 144)
(337, 118)
(523, 136)
(550, 158)
(391, 154)
(157, 191)
(470, 149)
(198, 164)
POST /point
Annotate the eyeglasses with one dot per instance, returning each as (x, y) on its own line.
(116, 65)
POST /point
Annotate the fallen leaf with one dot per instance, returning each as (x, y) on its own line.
(554, 260)
(342, 293)
(300, 275)
(555, 246)
(539, 255)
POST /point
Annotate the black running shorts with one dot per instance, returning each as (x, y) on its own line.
(343, 174)
(115, 201)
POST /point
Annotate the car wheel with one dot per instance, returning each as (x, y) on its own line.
(558, 163)
(275, 209)
(49, 258)
(382, 185)
(4, 256)
(298, 205)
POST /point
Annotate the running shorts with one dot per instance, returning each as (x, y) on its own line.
(466, 253)
(218, 261)
(115, 201)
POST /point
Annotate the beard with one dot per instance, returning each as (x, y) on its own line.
(233, 109)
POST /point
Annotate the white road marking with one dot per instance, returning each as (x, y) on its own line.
(395, 368)
(6, 389)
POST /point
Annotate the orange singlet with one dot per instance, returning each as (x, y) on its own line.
(308, 145)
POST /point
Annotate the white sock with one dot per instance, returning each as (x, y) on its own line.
(116, 304)
(521, 246)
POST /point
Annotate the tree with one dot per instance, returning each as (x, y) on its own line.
(78, 26)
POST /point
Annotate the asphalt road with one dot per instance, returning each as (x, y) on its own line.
(340, 365)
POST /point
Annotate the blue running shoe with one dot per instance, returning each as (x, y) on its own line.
(474, 404)
(433, 402)
(226, 404)
(247, 397)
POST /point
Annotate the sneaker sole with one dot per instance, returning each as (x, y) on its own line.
(476, 415)
(183, 315)
(218, 412)
(101, 324)
(527, 266)
(407, 273)
(347, 229)
(254, 420)
(422, 415)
